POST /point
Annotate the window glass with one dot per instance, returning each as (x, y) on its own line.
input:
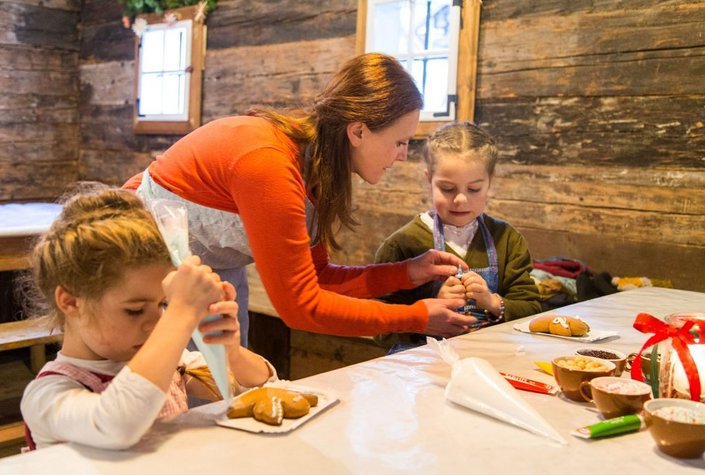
(421, 34)
(169, 60)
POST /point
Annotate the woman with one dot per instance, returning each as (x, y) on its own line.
(273, 189)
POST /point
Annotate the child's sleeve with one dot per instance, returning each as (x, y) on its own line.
(58, 409)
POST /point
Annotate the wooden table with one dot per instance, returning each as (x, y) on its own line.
(20, 224)
(393, 418)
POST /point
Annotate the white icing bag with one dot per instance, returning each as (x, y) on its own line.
(475, 384)
(172, 220)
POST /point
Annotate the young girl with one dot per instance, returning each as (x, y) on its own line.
(127, 316)
(460, 160)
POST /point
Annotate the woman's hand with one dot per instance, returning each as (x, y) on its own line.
(443, 320)
(224, 330)
(452, 288)
(432, 265)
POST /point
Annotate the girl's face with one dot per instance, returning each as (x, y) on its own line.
(459, 189)
(115, 326)
(372, 153)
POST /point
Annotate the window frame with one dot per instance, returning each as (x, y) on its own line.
(466, 71)
(196, 62)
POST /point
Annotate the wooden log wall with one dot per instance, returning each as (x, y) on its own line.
(598, 107)
(599, 111)
(39, 98)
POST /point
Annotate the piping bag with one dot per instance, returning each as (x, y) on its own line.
(172, 220)
(475, 384)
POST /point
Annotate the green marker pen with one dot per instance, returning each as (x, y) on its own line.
(610, 427)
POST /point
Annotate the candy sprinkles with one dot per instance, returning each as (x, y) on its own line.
(681, 414)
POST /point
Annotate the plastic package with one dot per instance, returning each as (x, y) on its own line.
(172, 220)
(475, 384)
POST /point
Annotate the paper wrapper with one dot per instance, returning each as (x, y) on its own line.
(172, 220)
(475, 384)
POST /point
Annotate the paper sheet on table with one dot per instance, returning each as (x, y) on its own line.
(172, 220)
(475, 384)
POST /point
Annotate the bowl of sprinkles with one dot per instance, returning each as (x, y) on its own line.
(677, 426)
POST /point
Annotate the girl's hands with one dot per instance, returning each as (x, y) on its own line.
(452, 288)
(192, 288)
(432, 265)
(476, 288)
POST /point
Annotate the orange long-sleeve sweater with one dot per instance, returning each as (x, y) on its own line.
(245, 165)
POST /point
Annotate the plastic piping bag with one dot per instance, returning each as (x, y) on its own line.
(475, 384)
(172, 220)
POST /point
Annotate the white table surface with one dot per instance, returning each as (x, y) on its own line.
(25, 219)
(393, 418)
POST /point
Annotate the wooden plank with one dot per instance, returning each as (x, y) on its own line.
(14, 252)
(11, 433)
(659, 190)
(69, 5)
(312, 353)
(661, 131)
(26, 333)
(623, 257)
(603, 53)
(36, 181)
(286, 75)
(245, 23)
(22, 57)
(523, 9)
(270, 338)
(56, 83)
(108, 41)
(110, 128)
(112, 167)
(108, 83)
(38, 26)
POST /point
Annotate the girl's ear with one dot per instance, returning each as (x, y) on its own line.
(355, 131)
(427, 175)
(65, 301)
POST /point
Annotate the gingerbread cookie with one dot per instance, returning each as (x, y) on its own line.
(559, 325)
(272, 405)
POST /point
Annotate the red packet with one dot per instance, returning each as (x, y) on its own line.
(527, 384)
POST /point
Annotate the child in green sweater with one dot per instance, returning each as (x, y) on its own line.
(460, 160)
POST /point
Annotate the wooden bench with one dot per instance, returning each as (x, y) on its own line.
(28, 333)
(11, 439)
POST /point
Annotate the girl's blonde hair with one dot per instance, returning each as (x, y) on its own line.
(100, 233)
(372, 88)
(463, 140)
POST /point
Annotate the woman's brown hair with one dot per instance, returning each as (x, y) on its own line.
(372, 88)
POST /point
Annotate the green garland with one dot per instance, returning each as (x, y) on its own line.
(132, 8)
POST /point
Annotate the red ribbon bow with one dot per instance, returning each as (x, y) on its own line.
(680, 339)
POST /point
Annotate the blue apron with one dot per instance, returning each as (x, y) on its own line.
(490, 273)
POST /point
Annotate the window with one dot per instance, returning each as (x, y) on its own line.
(436, 41)
(169, 58)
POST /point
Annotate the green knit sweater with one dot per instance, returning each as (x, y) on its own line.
(517, 289)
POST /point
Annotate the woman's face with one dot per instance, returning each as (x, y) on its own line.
(373, 152)
(459, 189)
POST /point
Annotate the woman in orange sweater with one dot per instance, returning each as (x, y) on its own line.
(273, 189)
